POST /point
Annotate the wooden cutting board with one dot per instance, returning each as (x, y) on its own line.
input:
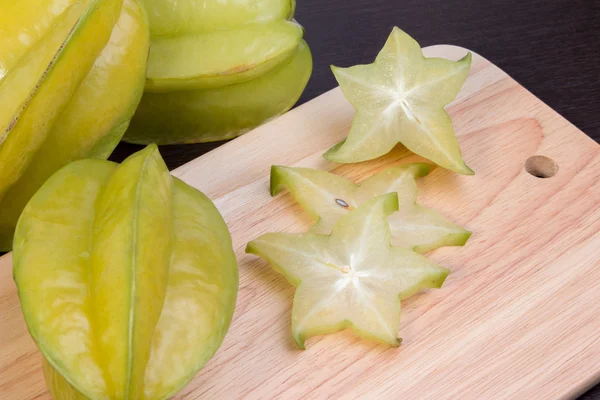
(518, 317)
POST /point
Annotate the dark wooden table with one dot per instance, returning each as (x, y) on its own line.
(552, 47)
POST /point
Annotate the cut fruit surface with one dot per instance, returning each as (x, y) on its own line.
(400, 98)
(328, 197)
(219, 59)
(126, 278)
(352, 278)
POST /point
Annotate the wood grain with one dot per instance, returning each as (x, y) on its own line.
(516, 319)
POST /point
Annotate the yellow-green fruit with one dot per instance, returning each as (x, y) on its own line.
(71, 75)
(218, 69)
(126, 276)
(220, 113)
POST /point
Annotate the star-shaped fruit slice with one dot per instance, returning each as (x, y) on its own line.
(352, 278)
(328, 197)
(400, 98)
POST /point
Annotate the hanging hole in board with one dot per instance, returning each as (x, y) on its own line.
(541, 166)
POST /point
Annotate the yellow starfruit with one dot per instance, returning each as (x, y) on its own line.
(71, 75)
(126, 276)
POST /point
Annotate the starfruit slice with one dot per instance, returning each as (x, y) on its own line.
(126, 278)
(352, 278)
(400, 98)
(328, 197)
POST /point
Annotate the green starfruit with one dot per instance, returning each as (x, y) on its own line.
(352, 278)
(126, 277)
(218, 69)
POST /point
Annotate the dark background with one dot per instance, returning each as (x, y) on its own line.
(552, 47)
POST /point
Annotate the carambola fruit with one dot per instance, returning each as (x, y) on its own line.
(400, 98)
(352, 278)
(126, 276)
(218, 69)
(71, 75)
(328, 197)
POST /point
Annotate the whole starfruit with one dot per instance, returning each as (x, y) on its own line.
(218, 69)
(126, 276)
(71, 75)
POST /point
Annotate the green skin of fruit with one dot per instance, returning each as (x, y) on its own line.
(220, 113)
(170, 18)
(236, 56)
(96, 103)
(400, 98)
(145, 273)
(218, 69)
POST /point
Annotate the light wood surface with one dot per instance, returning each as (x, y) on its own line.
(518, 317)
